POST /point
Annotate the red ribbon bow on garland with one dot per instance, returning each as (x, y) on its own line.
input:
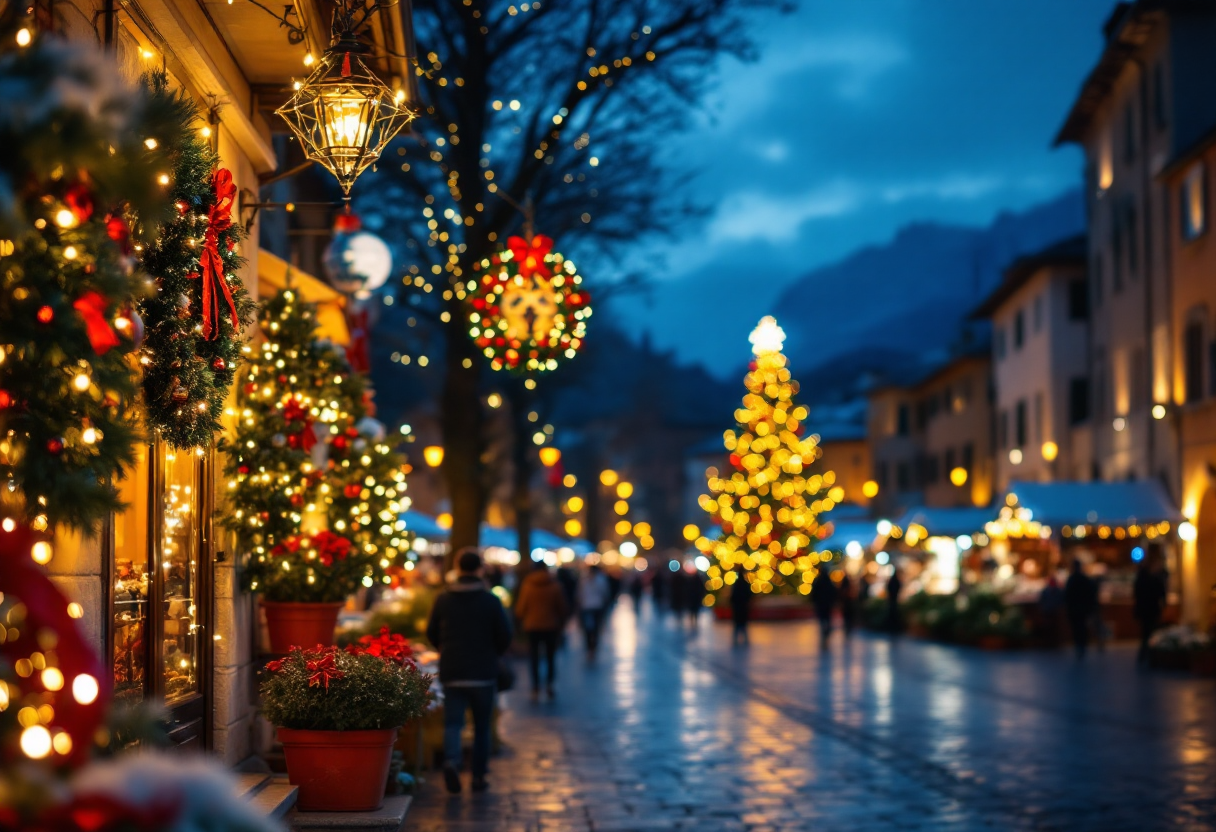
(322, 670)
(92, 308)
(219, 219)
(531, 255)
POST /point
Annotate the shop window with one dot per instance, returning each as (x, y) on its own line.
(1037, 306)
(1078, 300)
(160, 591)
(948, 461)
(968, 457)
(1019, 330)
(1078, 400)
(1019, 424)
(1038, 417)
(998, 342)
(1192, 352)
(880, 474)
(903, 476)
(1003, 431)
(1193, 202)
(901, 420)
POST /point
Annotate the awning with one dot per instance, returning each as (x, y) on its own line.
(947, 522)
(423, 525)
(862, 532)
(1096, 503)
(275, 274)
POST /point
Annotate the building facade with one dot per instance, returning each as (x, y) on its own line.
(1040, 357)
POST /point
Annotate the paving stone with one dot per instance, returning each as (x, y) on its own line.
(671, 730)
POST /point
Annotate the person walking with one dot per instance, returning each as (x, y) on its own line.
(823, 599)
(542, 612)
(593, 594)
(1051, 606)
(470, 629)
(1148, 595)
(895, 585)
(1079, 605)
(740, 606)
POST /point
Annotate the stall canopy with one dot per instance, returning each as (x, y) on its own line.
(948, 522)
(861, 532)
(275, 273)
(423, 525)
(1095, 503)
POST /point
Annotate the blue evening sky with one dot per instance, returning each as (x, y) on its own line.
(859, 118)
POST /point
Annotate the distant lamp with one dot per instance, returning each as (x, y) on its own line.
(958, 476)
(767, 337)
(608, 477)
(1050, 451)
(550, 456)
(433, 454)
(444, 521)
(1015, 456)
(1187, 531)
(870, 489)
(1159, 411)
(343, 115)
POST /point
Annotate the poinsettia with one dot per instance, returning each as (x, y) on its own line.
(311, 568)
(390, 646)
(361, 689)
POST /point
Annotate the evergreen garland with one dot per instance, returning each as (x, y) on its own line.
(303, 453)
(187, 375)
(76, 160)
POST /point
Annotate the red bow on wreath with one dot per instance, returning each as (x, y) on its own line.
(294, 412)
(322, 670)
(219, 219)
(531, 255)
(92, 308)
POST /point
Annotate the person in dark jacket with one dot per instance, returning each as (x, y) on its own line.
(1148, 594)
(740, 606)
(895, 585)
(542, 612)
(470, 629)
(823, 599)
(1079, 606)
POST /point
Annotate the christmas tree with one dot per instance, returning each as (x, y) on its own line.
(83, 153)
(194, 318)
(305, 453)
(770, 505)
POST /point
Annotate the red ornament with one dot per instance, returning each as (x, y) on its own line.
(46, 314)
(250, 387)
(352, 491)
(182, 207)
(243, 469)
(297, 500)
(79, 200)
(339, 442)
(92, 308)
(54, 445)
(5, 399)
(118, 231)
(219, 364)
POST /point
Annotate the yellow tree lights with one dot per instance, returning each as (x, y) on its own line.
(769, 507)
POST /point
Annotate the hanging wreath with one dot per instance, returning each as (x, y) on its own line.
(528, 310)
(194, 321)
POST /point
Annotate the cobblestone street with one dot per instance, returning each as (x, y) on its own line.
(672, 730)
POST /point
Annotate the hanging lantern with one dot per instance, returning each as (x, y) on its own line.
(344, 115)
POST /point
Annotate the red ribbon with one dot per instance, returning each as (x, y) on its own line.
(530, 254)
(322, 670)
(295, 412)
(219, 219)
(92, 308)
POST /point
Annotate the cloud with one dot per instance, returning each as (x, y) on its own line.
(754, 216)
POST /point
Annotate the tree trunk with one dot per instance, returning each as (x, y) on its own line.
(462, 438)
(521, 463)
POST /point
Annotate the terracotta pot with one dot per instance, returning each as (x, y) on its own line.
(338, 771)
(299, 624)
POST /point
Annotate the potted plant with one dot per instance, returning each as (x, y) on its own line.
(303, 583)
(337, 713)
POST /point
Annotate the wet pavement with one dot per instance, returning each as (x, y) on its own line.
(676, 730)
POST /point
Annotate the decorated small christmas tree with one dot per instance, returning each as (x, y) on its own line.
(305, 453)
(770, 504)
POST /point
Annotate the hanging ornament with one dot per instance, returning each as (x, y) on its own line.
(55, 445)
(528, 311)
(357, 262)
(79, 200)
(180, 395)
(343, 115)
(219, 364)
(92, 308)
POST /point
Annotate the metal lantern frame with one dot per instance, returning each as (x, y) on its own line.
(343, 114)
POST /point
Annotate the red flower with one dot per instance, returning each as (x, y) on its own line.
(391, 647)
(330, 547)
(275, 666)
(322, 670)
